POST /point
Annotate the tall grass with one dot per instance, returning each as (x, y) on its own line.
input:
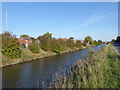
(99, 70)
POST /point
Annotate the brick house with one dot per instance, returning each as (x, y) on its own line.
(64, 39)
(24, 41)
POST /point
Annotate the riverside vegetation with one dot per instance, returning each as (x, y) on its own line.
(98, 70)
(12, 53)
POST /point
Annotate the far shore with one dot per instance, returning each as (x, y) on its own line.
(21, 61)
(37, 58)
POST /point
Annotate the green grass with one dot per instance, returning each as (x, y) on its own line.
(99, 70)
(27, 55)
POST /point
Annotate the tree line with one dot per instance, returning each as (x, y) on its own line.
(117, 40)
(12, 49)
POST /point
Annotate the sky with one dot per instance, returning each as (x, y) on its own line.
(63, 19)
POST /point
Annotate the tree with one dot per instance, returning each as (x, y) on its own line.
(24, 35)
(79, 44)
(117, 39)
(113, 40)
(10, 45)
(70, 43)
(89, 40)
(99, 41)
(84, 43)
(44, 42)
(48, 35)
(72, 38)
(62, 44)
(33, 39)
(95, 43)
(55, 46)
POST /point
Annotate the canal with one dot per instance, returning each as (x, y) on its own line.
(30, 74)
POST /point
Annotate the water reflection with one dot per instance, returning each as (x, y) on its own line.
(30, 73)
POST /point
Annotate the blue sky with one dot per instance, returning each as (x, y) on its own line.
(67, 19)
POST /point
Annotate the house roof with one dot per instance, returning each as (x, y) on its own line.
(64, 39)
(27, 38)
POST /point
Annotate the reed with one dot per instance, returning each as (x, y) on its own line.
(98, 70)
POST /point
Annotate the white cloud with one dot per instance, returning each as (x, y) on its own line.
(96, 17)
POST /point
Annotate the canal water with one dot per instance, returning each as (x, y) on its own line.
(36, 73)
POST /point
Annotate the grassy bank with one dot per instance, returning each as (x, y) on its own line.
(99, 70)
(27, 55)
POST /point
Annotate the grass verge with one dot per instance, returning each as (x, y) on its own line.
(98, 70)
(27, 55)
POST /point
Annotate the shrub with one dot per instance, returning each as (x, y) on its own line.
(62, 44)
(44, 43)
(34, 48)
(12, 51)
(10, 47)
(84, 43)
(79, 44)
(55, 46)
(70, 43)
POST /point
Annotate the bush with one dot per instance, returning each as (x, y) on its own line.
(55, 46)
(89, 40)
(44, 43)
(12, 51)
(10, 47)
(84, 44)
(70, 43)
(57, 50)
(34, 48)
(79, 44)
(62, 44)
